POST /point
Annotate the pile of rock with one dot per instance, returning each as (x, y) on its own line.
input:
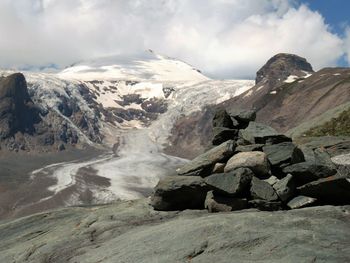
(252, 165)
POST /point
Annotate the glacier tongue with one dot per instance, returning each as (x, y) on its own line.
(135, 109)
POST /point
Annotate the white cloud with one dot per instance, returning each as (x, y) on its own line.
(347, 44)
(226, 38)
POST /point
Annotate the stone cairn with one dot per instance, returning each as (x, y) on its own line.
(251, 165)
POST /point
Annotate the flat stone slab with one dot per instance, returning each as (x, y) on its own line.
(258, 133)
(233, 183)
(301, 201)
(330, 190)
(203, 164)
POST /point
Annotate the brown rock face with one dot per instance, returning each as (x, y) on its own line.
(280, 66)
(17, 111)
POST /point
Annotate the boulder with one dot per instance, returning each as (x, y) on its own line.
(257, 133)
(179, 193)
(203, 164)
(216, 203)
(222, 119)
(233, 183)
(242, 116)
(264, 205)
(221, 134)
(330, 190)
(301, 201)
(219, 168)
(262, 190)
(285, 188)
(249, 148)
(256, 161)
(306, 172)
(283, 153)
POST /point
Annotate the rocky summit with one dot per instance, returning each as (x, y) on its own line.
(276, 175)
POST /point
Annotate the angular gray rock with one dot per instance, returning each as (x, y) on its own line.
(222, 119)
(203, 164)
(217, 203)
(330, 190)
(258, 133)
(301, 201)
(255, 161)
(221, 134)
(233, 183)
(271, 180)
(264, 205)
(219, 168)
(262, 190)
(282, 153)
(179, 193)
(242, 116)
(285, 187)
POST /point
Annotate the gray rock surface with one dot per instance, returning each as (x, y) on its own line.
(255, 161)
(262, 190)
(203, 164)
(232, 183)
(132, 232)
(216, 203)
(179, 193)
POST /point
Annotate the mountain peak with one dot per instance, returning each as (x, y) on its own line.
(281, 66)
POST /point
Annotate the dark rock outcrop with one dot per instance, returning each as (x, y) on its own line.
(331, 190)
(17, 111)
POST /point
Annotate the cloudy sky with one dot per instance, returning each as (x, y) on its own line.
(223, 38)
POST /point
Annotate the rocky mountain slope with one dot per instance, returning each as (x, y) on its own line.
(287, 95)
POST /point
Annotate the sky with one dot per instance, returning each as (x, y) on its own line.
(222, 38)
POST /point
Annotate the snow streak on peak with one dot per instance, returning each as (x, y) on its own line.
(148, 66)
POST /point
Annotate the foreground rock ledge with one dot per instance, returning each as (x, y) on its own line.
(133, 232)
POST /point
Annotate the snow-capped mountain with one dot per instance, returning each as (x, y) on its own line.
(130, 105)
(145, 66)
